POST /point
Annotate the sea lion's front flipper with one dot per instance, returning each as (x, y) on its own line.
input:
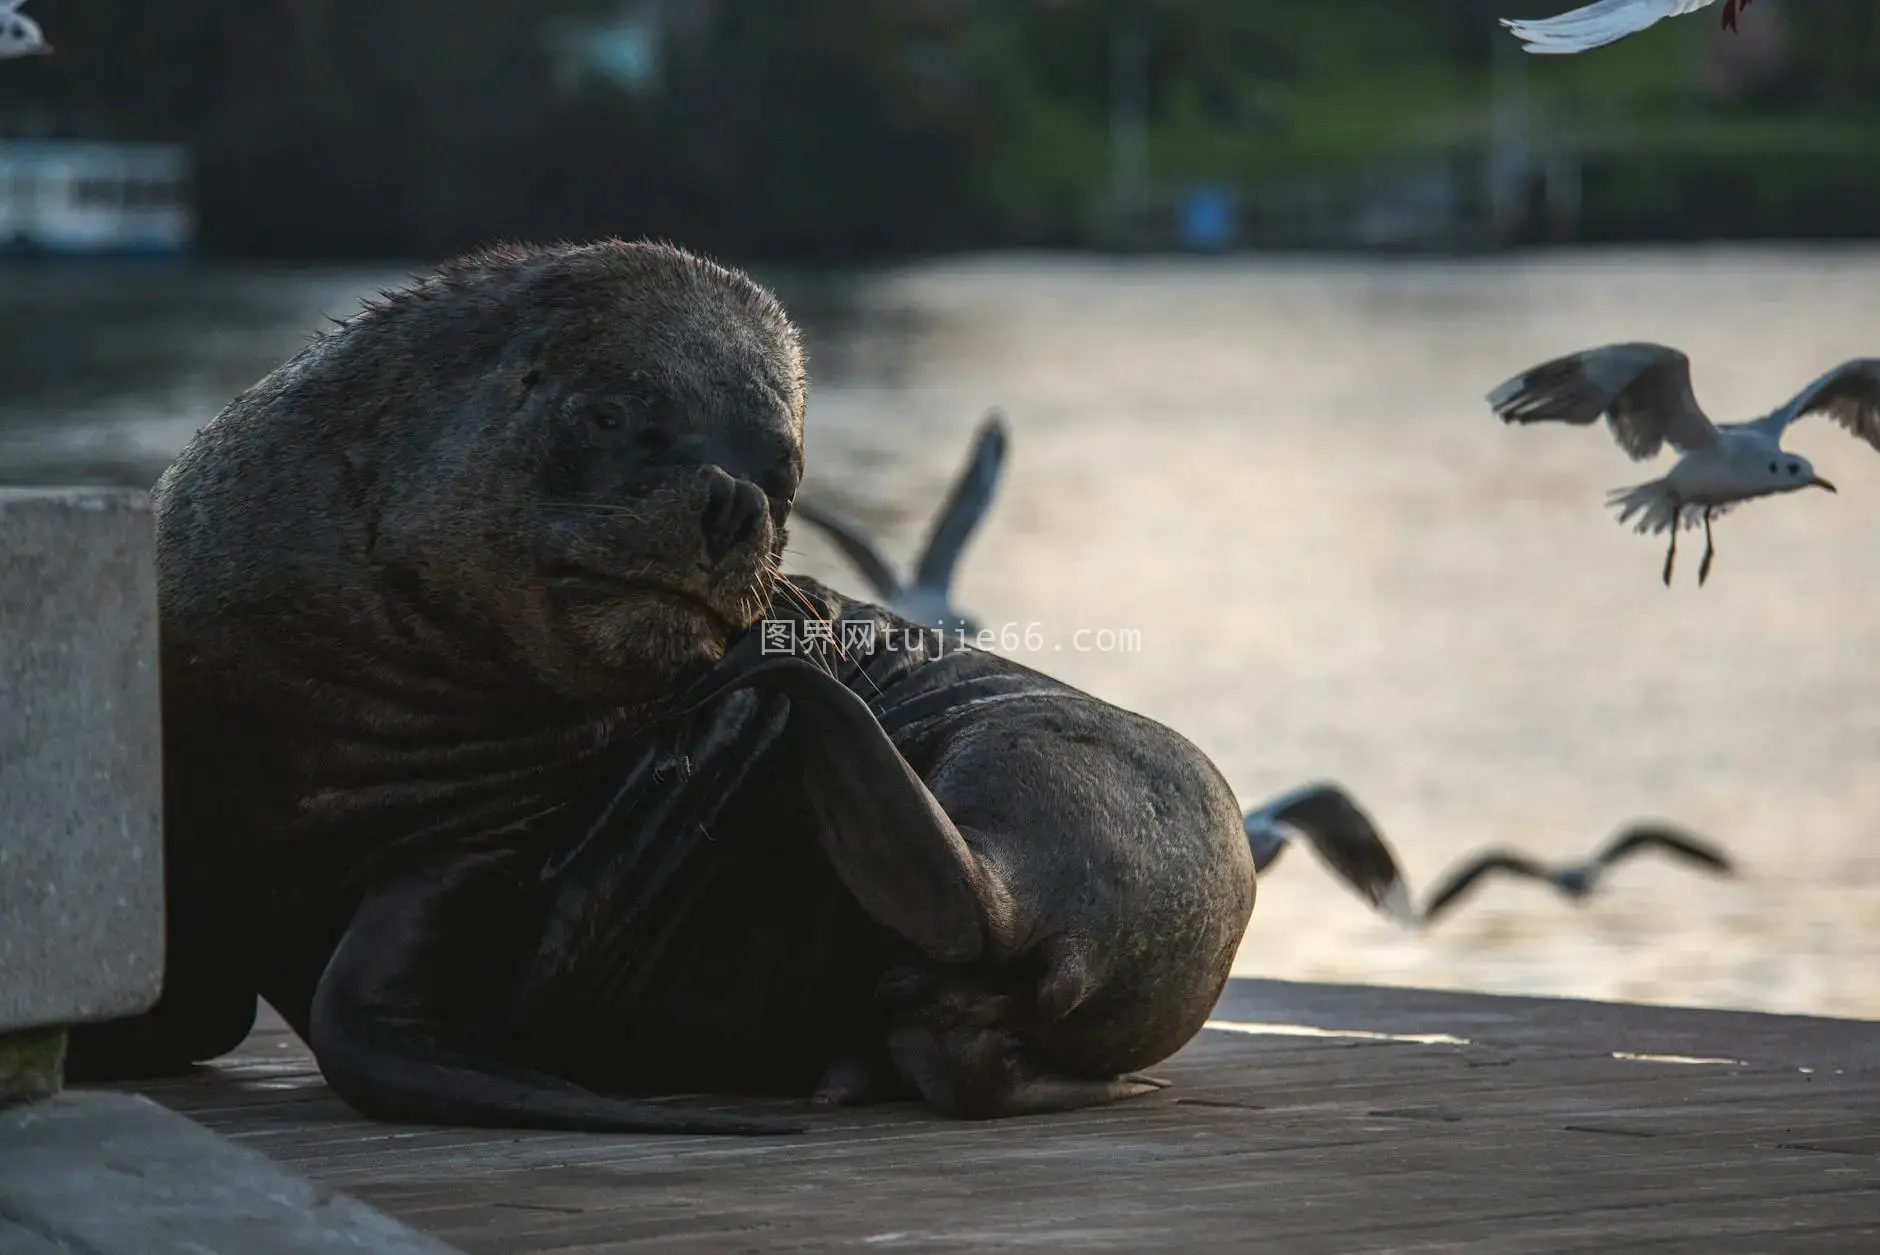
(386, 1045)
(209, 996)
(890, 841)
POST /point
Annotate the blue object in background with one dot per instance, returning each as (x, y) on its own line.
(1207, 218)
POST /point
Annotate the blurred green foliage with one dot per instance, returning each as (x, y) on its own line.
(834, 128)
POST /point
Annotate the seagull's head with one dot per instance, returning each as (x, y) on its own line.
(1787, 472)
(20, 36)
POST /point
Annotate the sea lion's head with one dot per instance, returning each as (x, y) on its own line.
(571, 465)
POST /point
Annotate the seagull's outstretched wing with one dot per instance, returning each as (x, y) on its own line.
(1644, 390)
(1343, 836)
(1266, 839)
(965, 506)
(1849, 394)
(1463, 879)
(856, 547)
(1637, 837)
(1597, 24)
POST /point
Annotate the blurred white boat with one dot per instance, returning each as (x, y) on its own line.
(93, 196)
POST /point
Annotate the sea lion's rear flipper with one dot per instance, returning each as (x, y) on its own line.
(891, 843)
(1046, 1093)
(386, 1046)
(961, 1056)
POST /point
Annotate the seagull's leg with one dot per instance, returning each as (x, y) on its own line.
(1671, 554)
(1729, 15)
(1710, 549)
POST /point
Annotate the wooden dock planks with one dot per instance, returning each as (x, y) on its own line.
(1530, 1137)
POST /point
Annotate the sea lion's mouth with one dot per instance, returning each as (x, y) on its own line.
(586, 584)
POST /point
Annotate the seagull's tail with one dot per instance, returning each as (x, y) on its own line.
(1654, 503)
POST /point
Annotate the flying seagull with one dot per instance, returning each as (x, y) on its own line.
(1607, 21)
(927, 600)
(1578, 880)
(1644, 391)
(20, 36)
(1341, 834)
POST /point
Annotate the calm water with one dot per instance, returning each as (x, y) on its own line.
(1283, 476)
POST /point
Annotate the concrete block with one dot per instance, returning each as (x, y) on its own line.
(81, 871)
(116, 1174)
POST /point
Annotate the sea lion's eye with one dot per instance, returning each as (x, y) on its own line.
(1794, 469)
(1772, 468)
(606, 415)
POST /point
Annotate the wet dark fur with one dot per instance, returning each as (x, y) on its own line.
(425, 592)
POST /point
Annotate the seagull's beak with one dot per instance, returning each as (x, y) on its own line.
(1819, 482)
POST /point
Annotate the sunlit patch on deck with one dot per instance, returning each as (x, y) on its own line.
(1627, 1054)
(1255, 1029)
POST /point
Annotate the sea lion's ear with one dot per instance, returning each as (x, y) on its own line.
(525, 359)
(537, 389)
(530, 367)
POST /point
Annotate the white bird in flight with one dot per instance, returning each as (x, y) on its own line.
(927, 598)
(1644, 391)
(1578, 881)
(1607, 21)
(1340, 833)
(20, 36)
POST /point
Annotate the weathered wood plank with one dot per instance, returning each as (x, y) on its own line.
(1532, 1137)
(1561, 1023)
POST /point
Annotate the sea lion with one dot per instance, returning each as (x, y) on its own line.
(480, 770)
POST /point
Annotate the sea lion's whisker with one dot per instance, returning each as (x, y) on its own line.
(783, 582)
(786, 585)
(834, 636)
(759, 598)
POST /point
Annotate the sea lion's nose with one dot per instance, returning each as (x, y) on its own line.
(734, 510)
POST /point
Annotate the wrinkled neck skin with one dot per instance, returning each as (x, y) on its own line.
(394, 726)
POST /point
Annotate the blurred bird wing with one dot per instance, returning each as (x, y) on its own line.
(1266, 840)
(1849, 394)
(1460, 881)
(1637, 837)
(855, 547)
(966, 505)
(1644, 390)
(1346, 840)
(1598, 24)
